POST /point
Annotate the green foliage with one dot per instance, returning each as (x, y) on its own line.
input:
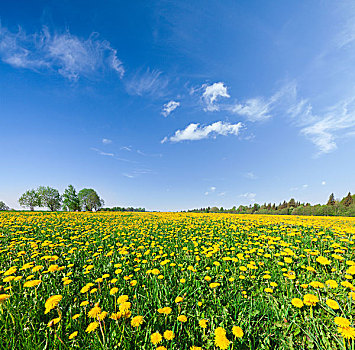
(70, 199)
(346, 207)
(89, 199)
(331, 200)
(49, 197)
(30, 199)
(347, 201)
(3, 206)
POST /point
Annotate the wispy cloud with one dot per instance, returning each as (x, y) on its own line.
(250, 175)
(212, 189)
(248, 195)
(106, 141)
(137, 172)
(149, 154)
(169, 107)
(149, 82)
(126, 148)
(323, 183)
(212, 93)
(254, 109)
(195, 132)
(258, 109)
(108, 154)
(325, 127)
(303, 187)
(101, 153)
(64, 53)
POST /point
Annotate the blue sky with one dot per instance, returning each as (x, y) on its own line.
(176, 105)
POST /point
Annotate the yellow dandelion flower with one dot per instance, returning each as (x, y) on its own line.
(332, 304)
(169, 335)
(32, 283)
(116, 316)
(92, 327)
(113, 291)
(165, 310)
(52, 302)
(122, 299)
(137, 321)
(203, 323)
(310, 299)
(237, 331)
(182, 318)
(73, 335)
(341, 321)
(178, 299)
(3, 298)
(156, 338)
(94, 311)
(53, 322)
(297, 302)
(347, 332)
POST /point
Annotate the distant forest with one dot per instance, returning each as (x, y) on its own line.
(334, 207)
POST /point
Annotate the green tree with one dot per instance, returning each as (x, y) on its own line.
(70, 199)
(3, 206)
(30, 199)
(331, 200)
(348, 200)
(292, 203)
(49, 197)
(89, 199)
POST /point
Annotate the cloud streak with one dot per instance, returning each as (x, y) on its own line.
(64, 53)
(194, 132)
(150, 82)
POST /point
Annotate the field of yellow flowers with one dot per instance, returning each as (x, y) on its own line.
(176, 281)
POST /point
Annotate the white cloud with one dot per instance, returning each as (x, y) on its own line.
(169, 107)
(259, 109)
(151, 83)
(323, 183)
(64, 53)
(106, 141)
(126, 148)
(195, 132)
(254, 109)
(305, 186)
(101, 153)
(130, 176)
(248, 195)
(250, 175)
(324, 128)
(212, 93)
(221, 194)
(212, 190)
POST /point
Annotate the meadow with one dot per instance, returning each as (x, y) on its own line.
(176, 281)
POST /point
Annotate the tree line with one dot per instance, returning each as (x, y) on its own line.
(334, 207)
(86, 199)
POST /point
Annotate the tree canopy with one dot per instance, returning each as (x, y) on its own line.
(30, 199)
(71, 200)
(3, 206)
(89, 199)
